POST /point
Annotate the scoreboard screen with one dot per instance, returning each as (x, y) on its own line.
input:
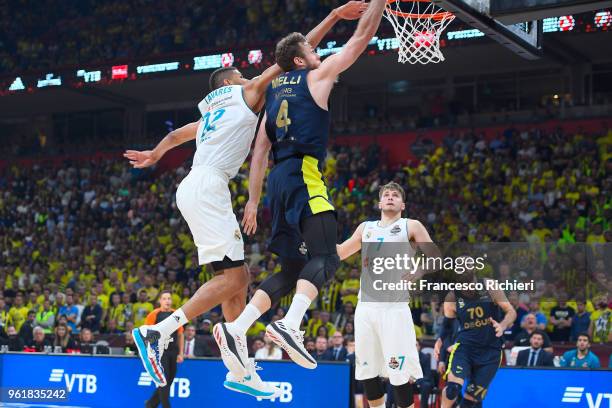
(513, 11)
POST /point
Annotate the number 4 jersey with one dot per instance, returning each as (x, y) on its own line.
(295, 124)
(226, 130)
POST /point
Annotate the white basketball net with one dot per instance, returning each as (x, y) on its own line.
(418, 28)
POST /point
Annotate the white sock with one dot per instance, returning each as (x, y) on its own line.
(297, 310)
(245, 320)
(171, 323)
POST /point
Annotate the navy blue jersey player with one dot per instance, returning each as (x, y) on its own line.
(303, 217)
(483, 317)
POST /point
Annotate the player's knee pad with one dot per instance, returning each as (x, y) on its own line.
(466, 403)
(280, 284)
(320, 269)
(373, 388)
(404, 395)
(452, 390)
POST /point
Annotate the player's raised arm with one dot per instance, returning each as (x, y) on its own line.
(255, 88)
(349, 11)
(141, 159)
(367, 27)
(259, 164)
(351, 245)
(499, 297)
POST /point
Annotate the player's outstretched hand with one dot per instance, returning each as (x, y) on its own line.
(140, 160)
(352, 10)
(249, 220)
(499, 329)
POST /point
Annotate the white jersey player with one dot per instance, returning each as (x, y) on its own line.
(385, 340)
(223, 138)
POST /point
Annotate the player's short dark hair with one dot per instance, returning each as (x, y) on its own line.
(584, 335)
(394, 187)
(287, 49)
(218, 76)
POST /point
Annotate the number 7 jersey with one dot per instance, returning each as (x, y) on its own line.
(226, 130)
(295, 124)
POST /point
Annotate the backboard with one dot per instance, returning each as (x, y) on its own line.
(524, 38)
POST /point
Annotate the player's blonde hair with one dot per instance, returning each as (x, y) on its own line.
(287, 49)
(394, 187)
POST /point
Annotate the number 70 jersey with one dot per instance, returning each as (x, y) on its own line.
(226, 130)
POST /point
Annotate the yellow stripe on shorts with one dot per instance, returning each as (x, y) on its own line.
(317, 192)
(450, 361)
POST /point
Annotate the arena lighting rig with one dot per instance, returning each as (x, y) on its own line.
(598, 21)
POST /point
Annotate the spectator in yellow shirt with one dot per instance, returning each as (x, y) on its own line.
(115, 312)
(601, 321)
(596, 235)
(350, 287)
(324, 322)
(256, 329)
(313, 322)
(142, 308)
(18, 313)
(103, 298)
(151, 290)
(3, 312)
(33, 301)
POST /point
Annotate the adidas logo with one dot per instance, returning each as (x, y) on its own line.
(177, 318)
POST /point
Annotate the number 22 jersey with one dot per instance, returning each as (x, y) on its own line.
(226, 131)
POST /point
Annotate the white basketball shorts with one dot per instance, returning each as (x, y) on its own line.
(204, 199)
(385, 343)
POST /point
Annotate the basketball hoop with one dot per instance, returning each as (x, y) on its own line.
(418, 29)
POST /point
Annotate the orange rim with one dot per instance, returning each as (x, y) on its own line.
(443, 15)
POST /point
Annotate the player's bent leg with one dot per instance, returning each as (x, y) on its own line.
(280, 284)
(151, 341)
(233, 348)
(374, 391)
(233, 306)
(319, 233)
(452, 390)
(220, 288)
(404, 395)
(481, 379)
(269, 292)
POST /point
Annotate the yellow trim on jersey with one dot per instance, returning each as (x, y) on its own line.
(317, 192)
(450, 360)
